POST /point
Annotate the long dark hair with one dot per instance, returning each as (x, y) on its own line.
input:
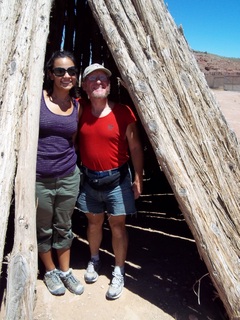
(48, 83)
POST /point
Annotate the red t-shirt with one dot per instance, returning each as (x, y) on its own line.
(102, 141)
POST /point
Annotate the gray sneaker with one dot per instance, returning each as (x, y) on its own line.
(116, 287)
(54, 283)
(71, 283)
(91, 274)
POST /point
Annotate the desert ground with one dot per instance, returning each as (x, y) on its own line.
(230, 105)
(164, 272)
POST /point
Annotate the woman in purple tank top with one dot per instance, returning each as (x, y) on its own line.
(58, 176)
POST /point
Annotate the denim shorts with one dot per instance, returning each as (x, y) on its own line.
(56, 199)
(116, 201)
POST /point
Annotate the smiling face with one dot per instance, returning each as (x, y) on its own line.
(66, 81)
(97, 85)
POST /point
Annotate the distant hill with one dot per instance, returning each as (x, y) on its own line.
(209, 63)
(220, 72)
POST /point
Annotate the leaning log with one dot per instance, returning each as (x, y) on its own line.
(23, 36)
(195, 148)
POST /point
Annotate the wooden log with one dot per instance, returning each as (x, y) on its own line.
(9, 116)
(23, 36)
(197, 151)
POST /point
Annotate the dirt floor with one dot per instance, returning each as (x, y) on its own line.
(230, 105)
(164, 272)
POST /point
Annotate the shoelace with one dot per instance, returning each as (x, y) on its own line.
(90, 267)
(54, 277)
(71, 278)
(117, 279)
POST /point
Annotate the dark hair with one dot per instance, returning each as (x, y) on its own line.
(48, 83)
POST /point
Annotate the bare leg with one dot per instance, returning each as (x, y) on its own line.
(94, 232)
(63, 259)
(119, 244)
(119, 239)
(47, 260)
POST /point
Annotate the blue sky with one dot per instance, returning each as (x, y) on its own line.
(209, 25)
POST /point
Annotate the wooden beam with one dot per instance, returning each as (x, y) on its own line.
(23, 35)
(197, 151)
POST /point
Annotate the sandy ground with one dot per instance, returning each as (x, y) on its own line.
(163, 265)
(93, 304)
(230, 105)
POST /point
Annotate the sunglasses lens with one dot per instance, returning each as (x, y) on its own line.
(103, 78)
(72, 71)
(60, 72)
(95, 78)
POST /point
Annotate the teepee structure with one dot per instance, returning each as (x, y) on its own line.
(193, 144)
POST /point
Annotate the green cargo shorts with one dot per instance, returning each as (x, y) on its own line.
(56, 198)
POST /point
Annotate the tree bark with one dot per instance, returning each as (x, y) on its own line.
(24, 30)
(195, 148)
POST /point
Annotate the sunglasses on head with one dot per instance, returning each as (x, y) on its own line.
(60, 72)
(101, 77)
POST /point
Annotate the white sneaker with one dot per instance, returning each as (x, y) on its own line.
(116, 287)
(91, 274)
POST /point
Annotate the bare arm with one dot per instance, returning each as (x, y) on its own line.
(75, 136)
(136, 154)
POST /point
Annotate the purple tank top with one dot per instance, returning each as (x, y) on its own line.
(56, 156)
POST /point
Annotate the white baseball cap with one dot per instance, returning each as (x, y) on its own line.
(94, 67)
